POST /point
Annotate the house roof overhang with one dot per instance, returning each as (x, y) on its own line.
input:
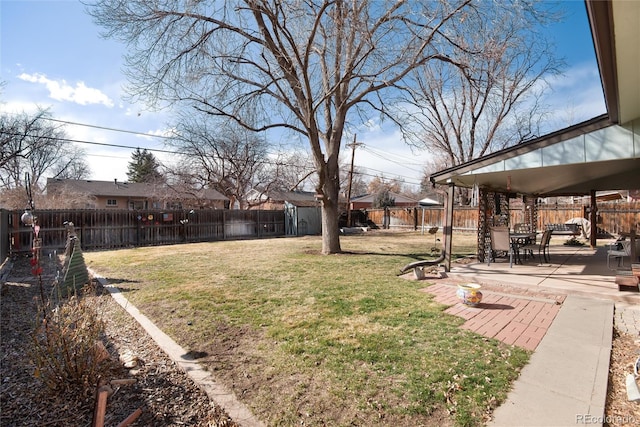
(595, 155)
(615, 32)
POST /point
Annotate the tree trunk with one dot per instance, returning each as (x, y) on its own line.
(330, 228)
(330, 204)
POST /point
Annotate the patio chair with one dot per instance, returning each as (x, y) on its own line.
(521, 228)
(542, 247)
(500, 242)
(619, 250)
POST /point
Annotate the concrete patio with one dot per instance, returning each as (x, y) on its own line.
(564, 311)
(573, 270)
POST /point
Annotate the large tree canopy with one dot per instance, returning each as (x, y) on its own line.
(462, 113)
(310, 67)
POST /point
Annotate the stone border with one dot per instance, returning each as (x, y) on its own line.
(238, 412)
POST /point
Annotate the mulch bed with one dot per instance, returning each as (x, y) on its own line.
(164, 393)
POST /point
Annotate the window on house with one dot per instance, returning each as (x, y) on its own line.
(112, 202)
(136, 205)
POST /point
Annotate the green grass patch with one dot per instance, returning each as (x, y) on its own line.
(336, 339)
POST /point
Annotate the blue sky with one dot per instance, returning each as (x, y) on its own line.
(51, 55)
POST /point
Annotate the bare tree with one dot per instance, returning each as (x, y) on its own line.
(184, 181)
(32, 145)
(225, 157)
(71, 165)
(66, 197)
(309, 67)
(462, 113)
(20, 136)
(294, 170)
(59, 159)
(379, 183)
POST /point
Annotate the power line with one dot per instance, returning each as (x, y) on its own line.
(173, 152)
(104, 144)
(107, 128)
(78, 141)
(377, 153)
(106, 156)
(404, 178)
(386, 156)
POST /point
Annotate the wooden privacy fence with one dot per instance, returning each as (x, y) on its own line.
(464, 217)
(109, 229)
(613, 217)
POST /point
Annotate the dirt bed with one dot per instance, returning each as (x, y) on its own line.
(166, 395)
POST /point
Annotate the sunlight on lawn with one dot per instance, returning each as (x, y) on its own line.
(270, 310)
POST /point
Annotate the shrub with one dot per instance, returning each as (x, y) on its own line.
(68, 352)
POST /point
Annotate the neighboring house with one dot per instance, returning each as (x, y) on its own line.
(275, 200)
(366, 202)
(135, 196)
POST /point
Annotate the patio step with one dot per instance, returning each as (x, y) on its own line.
(627, 280)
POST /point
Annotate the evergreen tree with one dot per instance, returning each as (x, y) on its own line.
(143, 167)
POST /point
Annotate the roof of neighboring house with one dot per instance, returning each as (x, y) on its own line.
(282, 196)
(129, 189)
(428, 201)
(303, 203)
(369, 198)
(292, 196)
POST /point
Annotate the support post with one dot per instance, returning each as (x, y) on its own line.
(593, 218)
(448, 226)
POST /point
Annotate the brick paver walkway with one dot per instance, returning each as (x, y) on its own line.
(513, 319)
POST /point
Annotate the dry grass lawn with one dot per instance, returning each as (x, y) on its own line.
(308, 339)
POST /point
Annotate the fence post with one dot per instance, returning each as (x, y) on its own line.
(4, 234)
(138, 229)
(224, 225)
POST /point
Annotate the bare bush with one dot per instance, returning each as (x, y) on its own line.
(68, 352)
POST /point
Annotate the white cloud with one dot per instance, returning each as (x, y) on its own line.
(62, 91)
(19, 107)
(164, 132)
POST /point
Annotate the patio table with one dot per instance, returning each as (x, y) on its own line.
(518, 240)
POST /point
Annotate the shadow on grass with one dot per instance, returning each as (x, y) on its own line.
(119, 282)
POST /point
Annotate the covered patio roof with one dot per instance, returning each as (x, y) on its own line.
(590, 156)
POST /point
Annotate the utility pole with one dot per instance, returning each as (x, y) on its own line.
(353, 146)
